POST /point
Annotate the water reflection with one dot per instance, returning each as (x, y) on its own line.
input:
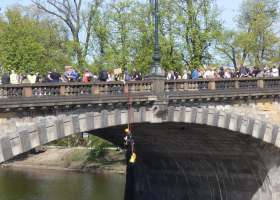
(57, 185)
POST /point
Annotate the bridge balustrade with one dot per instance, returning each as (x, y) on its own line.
(134, 87)
(220, 84)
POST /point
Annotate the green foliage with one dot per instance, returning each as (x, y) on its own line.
(71, 141)
(256, 42)
(99, 145)
(28, 43)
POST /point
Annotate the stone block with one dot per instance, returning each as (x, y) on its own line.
(239, 122)
(182, 114)
(193, 114)
(221, 119)
(216, 117)
(199, 116)
(132, 115)
(244, 125)
(34, 139)
(90, 121)
(171, 110)
(205, 112)
(233, 122)
(124, 117)
(104, 118)
(42, 133)
(136, 115)
(275, 131)
(268, 133)
(256, 129)
(16, 146)
(262, 129)
(227, 120)
(251, 122)
(142, 113)
(6, 148)
(188, 115)
(210, 117)
(97, 120)
(111, 118)
(1, 157)
(75, 123)
(59, 128)
(68, 128)
(51, 132)
(25, 140)
(118, 119)
(176, 113)
(83, 122)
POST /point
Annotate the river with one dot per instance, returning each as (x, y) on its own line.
(28, 184)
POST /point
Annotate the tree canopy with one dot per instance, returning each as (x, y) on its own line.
(120, 33)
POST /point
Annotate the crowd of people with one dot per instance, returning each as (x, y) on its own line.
(72, 75)
(226, 73)
(69, 75)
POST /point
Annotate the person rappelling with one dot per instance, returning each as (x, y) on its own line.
(128, 138)
(129, 141)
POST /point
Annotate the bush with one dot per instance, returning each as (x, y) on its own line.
(99, 147)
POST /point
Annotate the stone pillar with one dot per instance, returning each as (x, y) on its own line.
(260, 84)
(186, 86)
(126, 88)
(212, 85)
(62, 90)
(95, 89)
(236, 84)
(27, 92)
(158, 83)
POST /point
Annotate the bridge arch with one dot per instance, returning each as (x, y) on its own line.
(184, 169)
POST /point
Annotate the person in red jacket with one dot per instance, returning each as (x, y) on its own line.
(86, 75)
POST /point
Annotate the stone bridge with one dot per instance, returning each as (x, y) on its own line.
(195, 139)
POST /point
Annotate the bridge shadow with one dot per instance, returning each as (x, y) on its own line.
(193, 162)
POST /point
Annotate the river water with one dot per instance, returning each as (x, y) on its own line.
(37, 184)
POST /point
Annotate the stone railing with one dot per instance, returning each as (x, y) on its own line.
(220, 84)
(133, 87)
(72, 89)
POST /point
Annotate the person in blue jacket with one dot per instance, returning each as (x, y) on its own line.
(195, 74)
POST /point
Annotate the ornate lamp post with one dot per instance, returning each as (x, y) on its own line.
(156, 69)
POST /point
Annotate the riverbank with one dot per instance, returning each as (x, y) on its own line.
(70, 159)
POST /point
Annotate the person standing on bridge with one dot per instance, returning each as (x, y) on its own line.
(195, 73)
(14, 77)
(31, 76)
(6, 78)
(55, 76)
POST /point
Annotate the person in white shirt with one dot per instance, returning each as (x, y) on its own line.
(170, 75)
(185, 76)
(208, 74)
(275, 72)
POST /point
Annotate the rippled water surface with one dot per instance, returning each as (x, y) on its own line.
(26, 184)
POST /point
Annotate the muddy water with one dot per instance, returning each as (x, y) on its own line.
(25, 184)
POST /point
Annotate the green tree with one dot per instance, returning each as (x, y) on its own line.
(228, 47)
(27, 43)
(71, 13)
(257, 35)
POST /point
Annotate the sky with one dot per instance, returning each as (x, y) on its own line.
(227, 15)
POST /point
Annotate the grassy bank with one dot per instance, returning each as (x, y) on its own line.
(71, 159)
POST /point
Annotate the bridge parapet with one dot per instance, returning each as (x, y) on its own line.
(71, 89)
(134, 87)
